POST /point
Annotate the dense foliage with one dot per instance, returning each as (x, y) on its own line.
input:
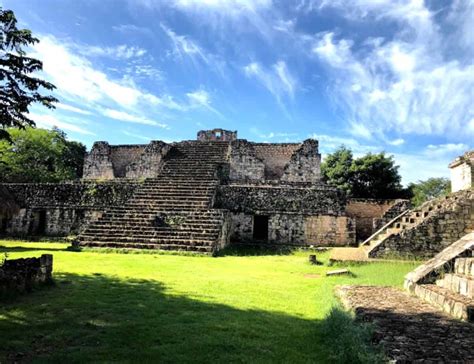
(39, 155)
(18, 89)
(427, 190)
(370, 176)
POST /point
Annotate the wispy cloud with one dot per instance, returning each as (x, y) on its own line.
(130, 118)
(276, 79)
(201, 98)
(49, 121)
(405, 84)
(71, 108)
(118, 52)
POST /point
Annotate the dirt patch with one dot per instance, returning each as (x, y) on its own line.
(312, 275)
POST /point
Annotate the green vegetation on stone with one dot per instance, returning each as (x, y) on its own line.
(112, 307)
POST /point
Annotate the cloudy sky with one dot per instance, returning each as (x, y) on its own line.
(375, 75)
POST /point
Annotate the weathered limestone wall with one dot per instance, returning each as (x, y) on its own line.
(124, 155)
(21, 275)
(118, 161)
(275, 157)
(462, 172)
(98, 163)
(317, 199)
(61, 209)
(296, 229)
(447, 221)
(216, 135)
(305, 164)
(371, 214)
(244, 164)
(297, 215)
(149, 162)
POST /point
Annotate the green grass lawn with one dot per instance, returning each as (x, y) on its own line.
(115, 307)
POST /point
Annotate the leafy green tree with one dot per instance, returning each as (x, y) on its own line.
(427, 190)
(18, 88)
(376, 176)
(40, 155)
(370, 176)
(336, 168)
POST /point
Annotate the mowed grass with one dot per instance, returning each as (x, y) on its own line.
(115, 307)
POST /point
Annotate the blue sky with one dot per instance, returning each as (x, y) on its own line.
(375, 75)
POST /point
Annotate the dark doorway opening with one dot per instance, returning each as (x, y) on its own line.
(41, 222)
(260, 228)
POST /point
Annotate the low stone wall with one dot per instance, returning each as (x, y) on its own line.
(60, 209)
(21, 275)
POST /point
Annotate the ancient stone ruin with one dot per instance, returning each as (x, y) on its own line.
(197, 196)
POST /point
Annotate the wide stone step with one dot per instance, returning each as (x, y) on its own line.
(152, 229)
(137, 235)
(175, 247)
(458, 283)
(146, 239)
(464, 266)
(454, 304)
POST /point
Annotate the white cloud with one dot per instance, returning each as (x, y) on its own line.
(396, 142)
(224, 7)
(71, 108)
(136, 136)
(119, 52)
(449, 149)
(398, 85)
(183, 46)
(201, 98)
(277, 79)
(329, 143)
(126, 117)
(49, 121)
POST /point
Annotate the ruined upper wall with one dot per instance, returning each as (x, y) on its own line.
(287, 162)
(124, 161)
(462, 172)
(275, 157)
(216, 135)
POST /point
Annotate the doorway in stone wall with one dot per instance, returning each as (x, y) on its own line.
(38, 223)
(260, 228)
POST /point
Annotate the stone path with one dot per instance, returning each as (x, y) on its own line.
(409, 329)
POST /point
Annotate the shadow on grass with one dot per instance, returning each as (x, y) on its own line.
(21, 249)
(242, 250)
(103, 319)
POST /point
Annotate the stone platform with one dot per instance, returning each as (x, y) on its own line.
(409, 329)
(348, 255)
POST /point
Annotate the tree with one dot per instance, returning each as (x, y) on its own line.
(18, 89)
(427, 190)
(40, 155)
(336, 168)
(370, 176)
(376, 176)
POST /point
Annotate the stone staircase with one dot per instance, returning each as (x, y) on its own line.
(410, 224)
(447, 280)
(172, 211)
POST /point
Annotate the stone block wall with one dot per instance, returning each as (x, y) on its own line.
(296, 229)
(60, 209)
(305, 164)
(150, 161)
(317, 199)
(124, 155)
(216, 135)
(21, 275)
(244, 164)
(119, 161)
(371, 214)
(452, 219)
(275, 157)
(462, 172)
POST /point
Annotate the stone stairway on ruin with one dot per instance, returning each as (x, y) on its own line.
(447, 280)
(172, 211)
(414, 219)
